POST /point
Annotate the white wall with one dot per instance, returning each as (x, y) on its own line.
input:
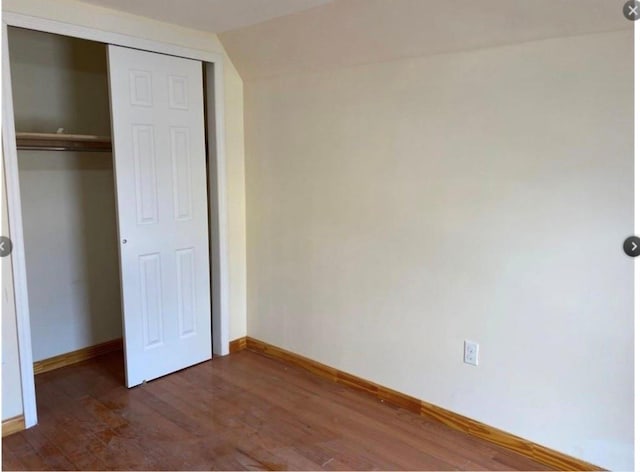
(68, 199)
(11, 384)
(396, 209)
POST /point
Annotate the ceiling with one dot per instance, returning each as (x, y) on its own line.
(349, 32)
(210, 15)
(265, 38)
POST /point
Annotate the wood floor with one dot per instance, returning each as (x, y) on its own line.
(241, 412)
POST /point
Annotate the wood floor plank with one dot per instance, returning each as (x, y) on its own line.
(73, 441)
(240, 412)
(101, 413)
(358, 428)
(295, 460)
(515, 462)
(48, 450)
(237, 437)
(438, 440)
(327, 458)
(21, 448)
(10, 461)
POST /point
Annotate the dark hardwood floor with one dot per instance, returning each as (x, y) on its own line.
(241, 412)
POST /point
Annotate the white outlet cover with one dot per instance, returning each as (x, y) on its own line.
(471, 352)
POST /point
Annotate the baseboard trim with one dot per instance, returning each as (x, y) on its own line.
(74, 357)
(238, 345)
(12, 425)
(453, 420)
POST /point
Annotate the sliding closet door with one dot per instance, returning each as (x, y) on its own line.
(157, 113)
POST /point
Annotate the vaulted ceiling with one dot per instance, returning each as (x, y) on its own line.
(272, 37)
(349, 32)
(210, 15)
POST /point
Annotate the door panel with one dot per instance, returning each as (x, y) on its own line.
(157, 112)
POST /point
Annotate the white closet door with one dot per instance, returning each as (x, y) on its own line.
(157, 112)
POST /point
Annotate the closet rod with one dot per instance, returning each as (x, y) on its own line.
(62, 142)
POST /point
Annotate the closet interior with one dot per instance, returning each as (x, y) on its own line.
(63, 135)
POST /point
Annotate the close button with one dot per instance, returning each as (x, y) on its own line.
(631, 246)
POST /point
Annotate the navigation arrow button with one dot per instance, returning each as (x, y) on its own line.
(5, 246)
(631, 246)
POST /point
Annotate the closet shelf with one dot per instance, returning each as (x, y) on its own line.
(62, 142)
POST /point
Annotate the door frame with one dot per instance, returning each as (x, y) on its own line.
(217, 179)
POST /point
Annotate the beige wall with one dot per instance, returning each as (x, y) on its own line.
(396, 209)
(236, 213)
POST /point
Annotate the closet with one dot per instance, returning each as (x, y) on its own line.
(113, 188)
(63, 135)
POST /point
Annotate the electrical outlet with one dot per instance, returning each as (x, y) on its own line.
(471, 352)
